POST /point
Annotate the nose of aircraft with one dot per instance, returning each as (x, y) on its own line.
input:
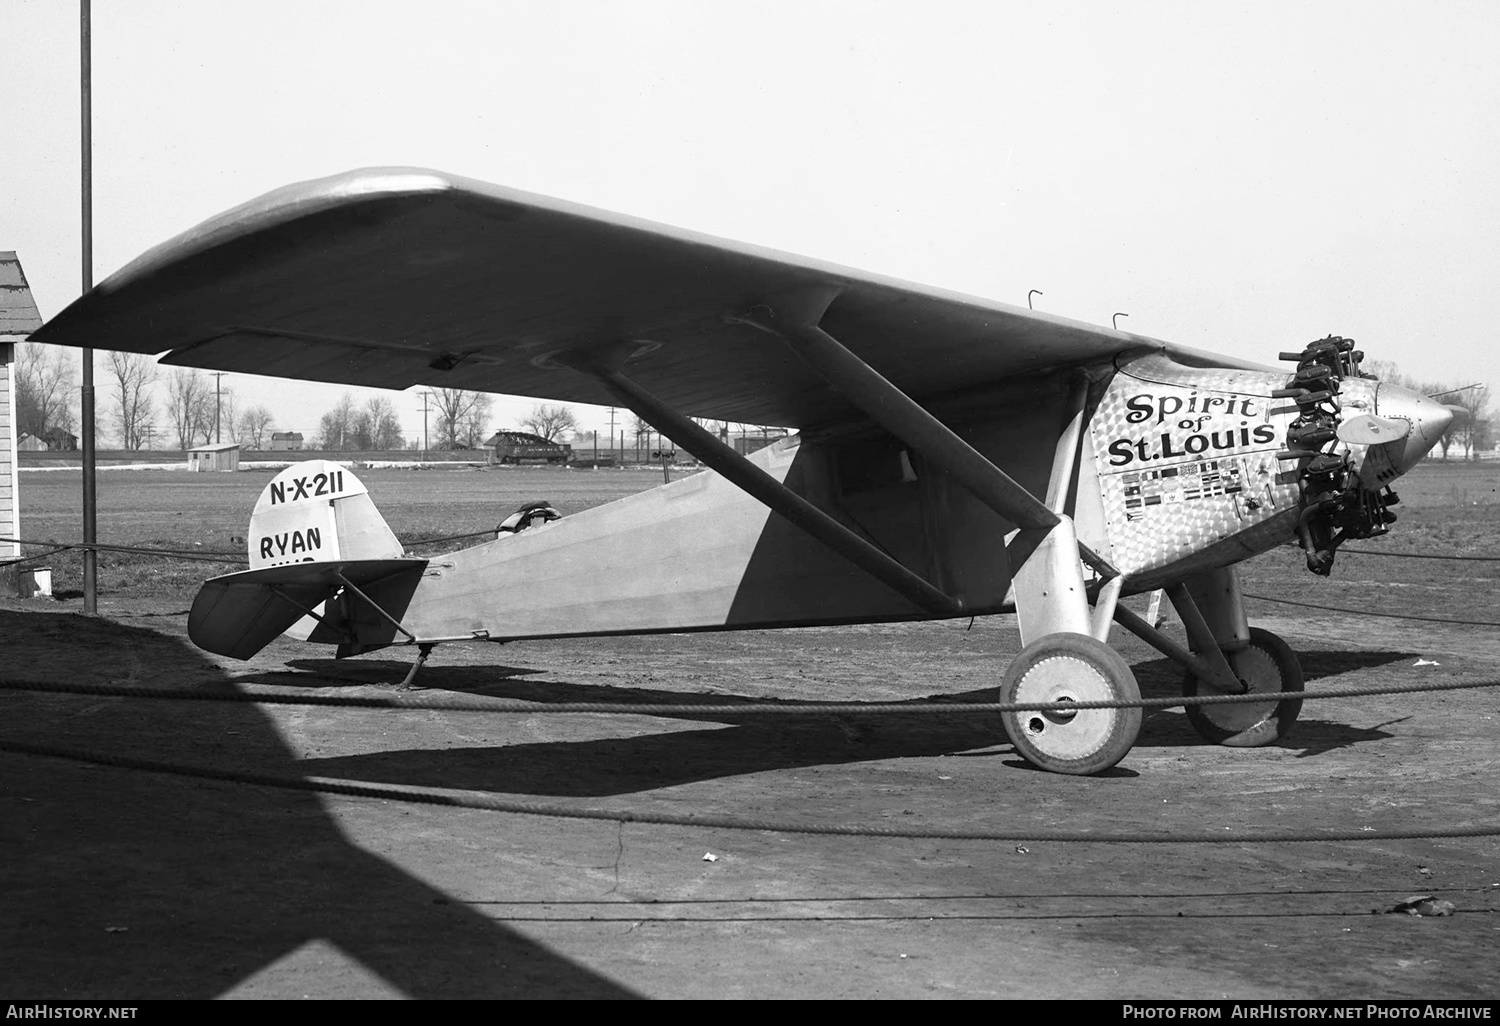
(1428, 417)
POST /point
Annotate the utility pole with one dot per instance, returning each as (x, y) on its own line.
(612, 431)
(425, 397)
(218, 392)
(86, 410)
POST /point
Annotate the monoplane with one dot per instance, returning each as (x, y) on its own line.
(952, 456)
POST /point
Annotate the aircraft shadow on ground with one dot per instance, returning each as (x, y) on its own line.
(738, 744)
(1311, 735)
(624, 765)
(131, 884)
(330, 673)
(754, 743)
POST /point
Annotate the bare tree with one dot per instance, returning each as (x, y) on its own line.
(255, 427)
(190, 405)
(1482, 432)
(381, 424)
(643, 430)
(551, 422)
(361, 436)
(337, 430)
(44, 382)
(459, 413)
(1387, 370)
(219, 413)
(718, 428)
(226, 415)
(135, 407)
(476, 422)
(1475, 430)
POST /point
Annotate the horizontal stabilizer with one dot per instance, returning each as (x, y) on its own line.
(238, 614)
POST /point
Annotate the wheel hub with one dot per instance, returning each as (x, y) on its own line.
(1066, 733)
(1257, 674)
(1070, 669)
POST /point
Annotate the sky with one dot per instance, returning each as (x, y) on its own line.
(1241, 178)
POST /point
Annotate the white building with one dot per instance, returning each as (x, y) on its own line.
(18, 319)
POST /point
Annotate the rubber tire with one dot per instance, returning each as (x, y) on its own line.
(1081, 743)
(1269, 665)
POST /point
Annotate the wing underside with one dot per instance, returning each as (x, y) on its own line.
(401, 277)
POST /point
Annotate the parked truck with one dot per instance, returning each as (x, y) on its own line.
(520, 446)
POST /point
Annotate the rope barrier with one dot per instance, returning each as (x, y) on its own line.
(35, 556)
(502, 705)
(210, 556)
(449, 538)
(324, 786)
(1370, 612)
(234, 557)
(1417, 555)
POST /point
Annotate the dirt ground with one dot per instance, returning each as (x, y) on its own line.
(126, 884)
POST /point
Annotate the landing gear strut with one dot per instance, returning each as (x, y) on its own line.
(1248, 660)
(1228, 657)
(1266, 665)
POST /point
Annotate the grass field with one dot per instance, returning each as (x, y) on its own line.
(172, 509)
(1448, 509)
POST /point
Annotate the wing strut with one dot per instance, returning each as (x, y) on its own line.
(752, 480)
(905, 418)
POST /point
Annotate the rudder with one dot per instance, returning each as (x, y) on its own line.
(317, 511)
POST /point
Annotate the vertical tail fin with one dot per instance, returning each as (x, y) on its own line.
(314, 512)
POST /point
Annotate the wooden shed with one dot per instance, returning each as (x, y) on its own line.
(225, 456)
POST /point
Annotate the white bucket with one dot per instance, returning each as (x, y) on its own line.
(35, 581)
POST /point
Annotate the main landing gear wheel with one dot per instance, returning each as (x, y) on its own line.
(1267, 666)
(1071, 668)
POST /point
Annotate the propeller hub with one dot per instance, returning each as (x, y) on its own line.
(1428, 419)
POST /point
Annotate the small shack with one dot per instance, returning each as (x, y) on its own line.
(60, 440)
(225, 456)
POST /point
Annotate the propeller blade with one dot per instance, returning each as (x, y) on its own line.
(1368, 429)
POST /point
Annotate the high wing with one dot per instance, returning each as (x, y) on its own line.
(398, 277)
